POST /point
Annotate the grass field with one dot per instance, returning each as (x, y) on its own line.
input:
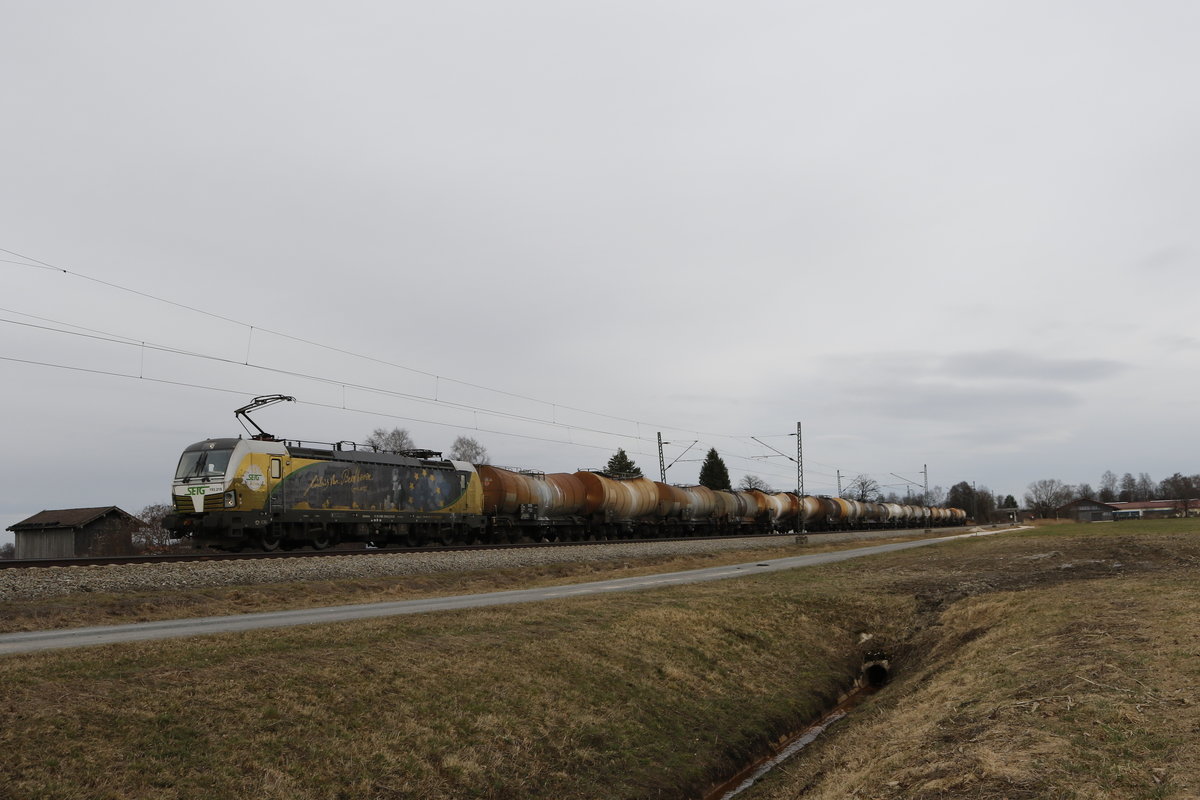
(1055, 663)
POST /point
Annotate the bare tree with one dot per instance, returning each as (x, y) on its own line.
(1179, 487)
(1108, 486)
(392, 441)
(863, 488)
(149, 535)
(1048, 494)
(753, 482)
(1128, 491)
(1146, 487)
(8, 550)
(467, 449)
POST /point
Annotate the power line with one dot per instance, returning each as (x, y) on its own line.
(38, 264)
(112, 338)
(109, 337)
(244, 393)
(344, 407)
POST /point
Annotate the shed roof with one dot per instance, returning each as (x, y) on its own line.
(1088, 502)
(66, 518)
(1151, 504)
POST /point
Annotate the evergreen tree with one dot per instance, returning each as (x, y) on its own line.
(977, 501)
(621, 464)
(713, 473)
(961, 495)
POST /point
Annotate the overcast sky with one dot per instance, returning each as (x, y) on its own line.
(960, 234)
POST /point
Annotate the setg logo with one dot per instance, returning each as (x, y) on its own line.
(254, 479)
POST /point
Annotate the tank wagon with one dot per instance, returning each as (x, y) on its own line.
(265, 493)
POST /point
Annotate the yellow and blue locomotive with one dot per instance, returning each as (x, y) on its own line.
(265, 493)
(234, 493)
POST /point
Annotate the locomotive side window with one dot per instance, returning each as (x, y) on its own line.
(276, 468)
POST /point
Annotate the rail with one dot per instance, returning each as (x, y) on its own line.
(168, 558)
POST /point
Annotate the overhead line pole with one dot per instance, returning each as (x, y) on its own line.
(925, 469)
(800, 475)
(662, 464)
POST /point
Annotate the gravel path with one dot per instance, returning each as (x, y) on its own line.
(44, 582)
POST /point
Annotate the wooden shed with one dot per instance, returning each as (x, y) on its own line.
(75, 532)
(1085, 510)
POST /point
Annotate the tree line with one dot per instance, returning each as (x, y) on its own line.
(1048, 494)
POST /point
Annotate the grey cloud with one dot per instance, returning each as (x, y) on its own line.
(1167, 260)
(1180, 342)
(1015, 365)
(947, 402)
(996, 365)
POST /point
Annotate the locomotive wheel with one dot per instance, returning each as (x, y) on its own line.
(269, 541)
(321, 542)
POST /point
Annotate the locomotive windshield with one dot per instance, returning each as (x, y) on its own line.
(203, 464)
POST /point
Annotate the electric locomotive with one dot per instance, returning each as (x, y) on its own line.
(265, 493)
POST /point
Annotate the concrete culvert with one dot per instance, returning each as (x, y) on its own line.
(876, 673)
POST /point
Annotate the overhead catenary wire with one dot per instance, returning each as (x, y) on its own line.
(121, 339)
(39, 264)
(728, 451)
(339, 407)
(111, 338)
(346, 407)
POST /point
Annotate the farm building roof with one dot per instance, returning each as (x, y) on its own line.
(66, 518)
(1086, 502)
(1149, 504)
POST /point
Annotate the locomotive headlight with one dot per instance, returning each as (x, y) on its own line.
(230, 499)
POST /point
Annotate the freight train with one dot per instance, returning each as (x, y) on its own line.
(265, 493)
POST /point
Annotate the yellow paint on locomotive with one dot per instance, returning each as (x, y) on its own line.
(253, 484)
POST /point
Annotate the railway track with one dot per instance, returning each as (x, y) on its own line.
(167, 558)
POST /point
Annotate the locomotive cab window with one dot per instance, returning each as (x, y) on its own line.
(203, 464)
(276, 468)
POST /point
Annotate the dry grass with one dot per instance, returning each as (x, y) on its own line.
(1077, 688)
(589, 698)
(1049, 664)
